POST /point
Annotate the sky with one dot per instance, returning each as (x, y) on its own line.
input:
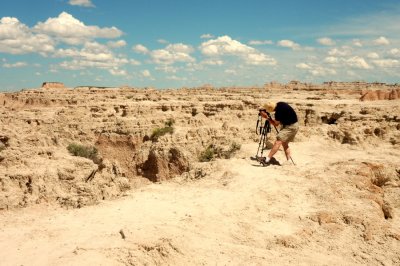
(188, 43)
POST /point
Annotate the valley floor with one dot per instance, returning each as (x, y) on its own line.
(321, 211)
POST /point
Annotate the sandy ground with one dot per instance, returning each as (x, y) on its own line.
(239, 214)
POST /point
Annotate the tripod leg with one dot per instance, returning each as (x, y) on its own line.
(287, 151)
(259, 144)
(263, 143)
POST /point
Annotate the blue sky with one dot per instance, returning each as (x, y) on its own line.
(185, 43)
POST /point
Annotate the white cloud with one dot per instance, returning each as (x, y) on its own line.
(373, 55)
(134, 62)
(213, 62)
(173, 53)
(316, 70)
(17, 38)
(256, 42)
(258, 59)
(116, 44)
(381, 41)
(289, 44)
(140, 49)
(331, 60)
(179, 48)
(206, 36)
(321, 71)
(326, 41)
(76, 64)
(357, 42)
(94, 55)
(146, 73)
(357, 62)
(224, 45)
(344, 51)
(395, 52)
(162, 41)
(303, 66)
(85, 3)
(72, 31)
(166, 57)
(92, 51)
(117, 72)
(15, 65)
(173, 77)
(386, 63)
(167, 68)
(230, 71)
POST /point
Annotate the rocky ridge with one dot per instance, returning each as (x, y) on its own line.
(38, 125)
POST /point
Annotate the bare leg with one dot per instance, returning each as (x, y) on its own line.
(275, 148)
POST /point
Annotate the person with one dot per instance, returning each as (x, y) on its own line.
(285, 116)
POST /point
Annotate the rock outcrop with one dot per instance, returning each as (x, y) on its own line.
(375, 95)
(53, 85)
(128, 128)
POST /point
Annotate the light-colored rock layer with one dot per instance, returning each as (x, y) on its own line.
(338, 205)
(39, 125)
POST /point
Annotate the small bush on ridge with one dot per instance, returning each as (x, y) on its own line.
(83, 151)
(208, 154)
(158, 132)
(212, 151)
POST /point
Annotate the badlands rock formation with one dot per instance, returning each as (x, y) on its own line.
(376, 95)
(53, 85)
(338, 205)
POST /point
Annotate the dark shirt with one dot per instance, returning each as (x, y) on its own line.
(285, 114)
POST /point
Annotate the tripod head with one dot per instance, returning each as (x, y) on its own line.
(265, 111)
(260, 128)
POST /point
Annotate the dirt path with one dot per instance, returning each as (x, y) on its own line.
(239, 214)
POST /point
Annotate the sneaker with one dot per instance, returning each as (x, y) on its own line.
(263, 161)
(260, 159)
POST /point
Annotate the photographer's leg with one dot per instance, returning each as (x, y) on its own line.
(274, 149)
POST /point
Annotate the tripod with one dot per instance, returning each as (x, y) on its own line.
(263, 131)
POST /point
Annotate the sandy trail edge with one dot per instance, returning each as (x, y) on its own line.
(240, 214)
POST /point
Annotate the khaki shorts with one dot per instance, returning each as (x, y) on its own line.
(287, 133)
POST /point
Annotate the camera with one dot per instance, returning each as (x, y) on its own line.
(265, 111)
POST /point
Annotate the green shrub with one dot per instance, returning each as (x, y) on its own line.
(158, 132)
(83, 151)
(169, 122)
(232, 149)
(212, 151)
(208, 154)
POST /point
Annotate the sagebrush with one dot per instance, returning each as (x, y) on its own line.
(89, 152)
(214, 151)
(158, 132)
